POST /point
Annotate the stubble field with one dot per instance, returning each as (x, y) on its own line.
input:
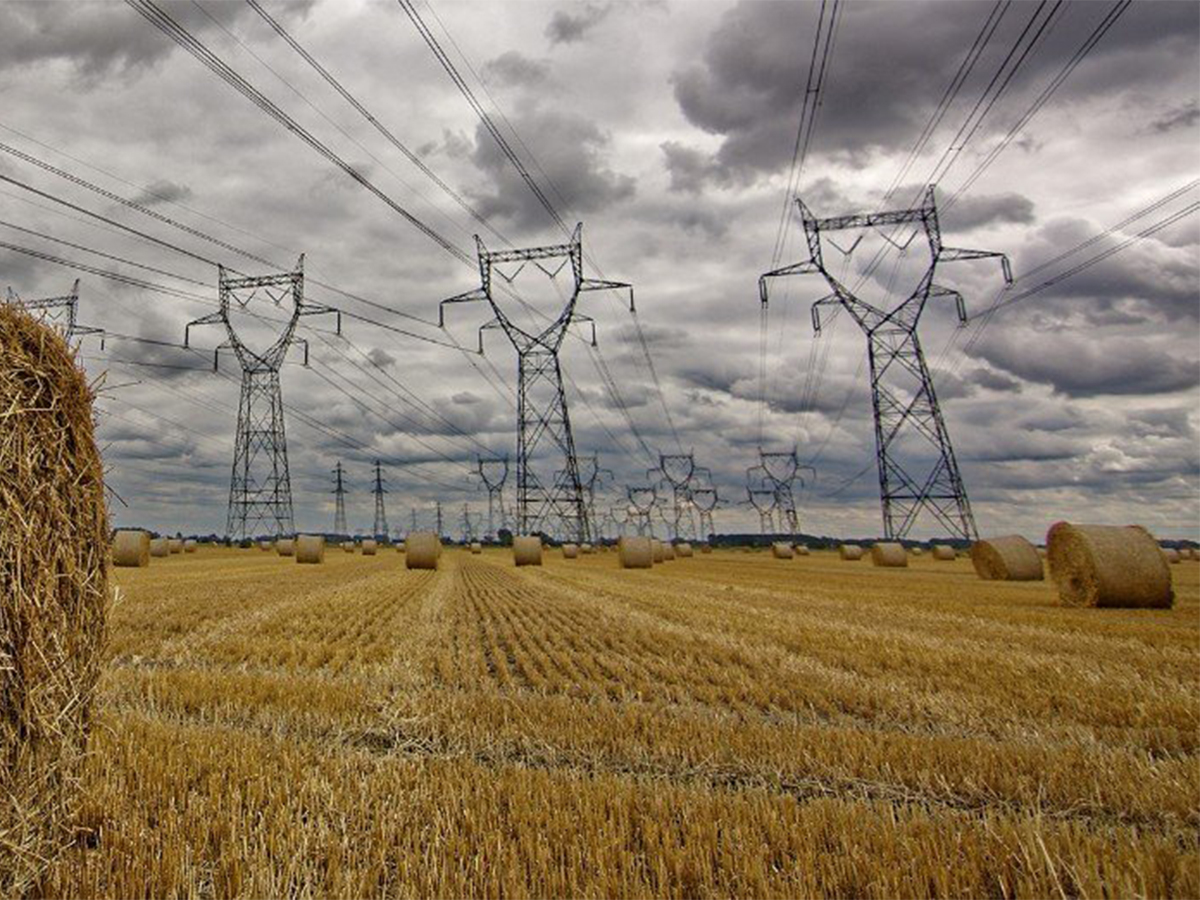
(725, 725)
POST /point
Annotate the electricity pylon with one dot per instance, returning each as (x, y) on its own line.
(58, 312)
(544, 500)
(339, 492)
(902, 391)
(468, 526)
(642, 500)
(592, 476)
(705, 500)
(677, 471)
(440, 532)
(381, 523)
(781, 469)
(763, 500)
(493, 473)
(260, 488)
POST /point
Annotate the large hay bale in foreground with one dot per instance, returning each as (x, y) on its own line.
(310, 548)
(160, 547)
(370, 547)
(850, 552)
(782, 550)
(1108, 565)
(570, 551)
(285, 547)
(527, 550)
(635, 552)
(944, 552)
(683, 550)
(889, 555)
(424, 550)
(54, 567)
(1007, 558)
(131, 548)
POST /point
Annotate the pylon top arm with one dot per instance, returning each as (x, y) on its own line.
(957, 254)
(316, 309)
(937, 290)
(808, 267)
(472, 296)
(600, 284)
(828, 300)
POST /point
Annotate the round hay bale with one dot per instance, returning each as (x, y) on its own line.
(1108, 565)
(586, 549)
(285, 547)
(782, 550)
(348, 546)
(668, 551)
(476, 547)
(1007, 558)
(370, 547)
(266, 546)
(801, 550)
(1171, 555)
(635, 552)
(310, 548)
(175, 545)
(189, 546)
(889, 555)
(400, 547)
(660, 554)
(570, 551)
(159, 547)
(850, 552)
(917, 551)
(684, 550)
(424, 550)
(131, 548)
(944, 552)
(527, 550)
(705, 548)
(54, 568)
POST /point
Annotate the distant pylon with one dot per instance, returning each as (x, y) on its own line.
(901, 387)
(642, 500)
(705, 500)
(339, 492)
(439, 520)
(545, 500)
(260, 488)
(381, 522)
(58, 312)
(493, 472)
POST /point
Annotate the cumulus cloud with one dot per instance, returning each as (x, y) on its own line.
(514, 69)
(567, 26)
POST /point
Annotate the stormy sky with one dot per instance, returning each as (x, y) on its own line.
(668, 129)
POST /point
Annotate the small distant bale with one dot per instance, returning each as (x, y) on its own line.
(635, 552)
(1007, 558)
(850, 552)
(801, 550)
(586, 549)
(527, 550)
(570, 551)
(668, 551)
(285, 547)
(1108, 566)
(370, 547)
(400, 548)
(705, 548)
(310, 548)
(266, 546)
(684, 550)
(131, 548)
(54, 594)
(189, 546)
(916, 551)
(160, 547)
(174, 545)
(944, 552)
(424, 549)
(476, 547)
(889, 555)
(782, 550)
(660, 554)
(1171, 555)
(348, 546)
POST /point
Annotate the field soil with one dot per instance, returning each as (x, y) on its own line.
(723, 725)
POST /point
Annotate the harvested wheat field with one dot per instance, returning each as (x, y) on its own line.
(723, 725)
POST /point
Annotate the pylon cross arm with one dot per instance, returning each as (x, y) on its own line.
(472, 296)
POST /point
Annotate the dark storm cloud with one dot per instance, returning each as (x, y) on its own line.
(569, 25)
(513, 69)
(163, 191)
(880, 89)
(995, 381)
(1082, 366)
(572, 152)
(1185, 116)
(380, 358)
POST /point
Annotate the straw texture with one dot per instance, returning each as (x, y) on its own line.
(1007, 558)
(1108, 565)
(310, 548)
(889, 555)
(527, 550)
(54, 595)
(850, 552)
(635, 552)
(131, 548)
(285, 547)
(370, 547)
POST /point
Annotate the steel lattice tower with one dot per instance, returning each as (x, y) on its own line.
(592, 476)
(705, 500)
(677, 471)
(339, 492)
(260, 488)
(642, 500)
(902, 393)
(544, 499)
(58, 312)
(780, 470)
(493, 473)
(381, 522)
